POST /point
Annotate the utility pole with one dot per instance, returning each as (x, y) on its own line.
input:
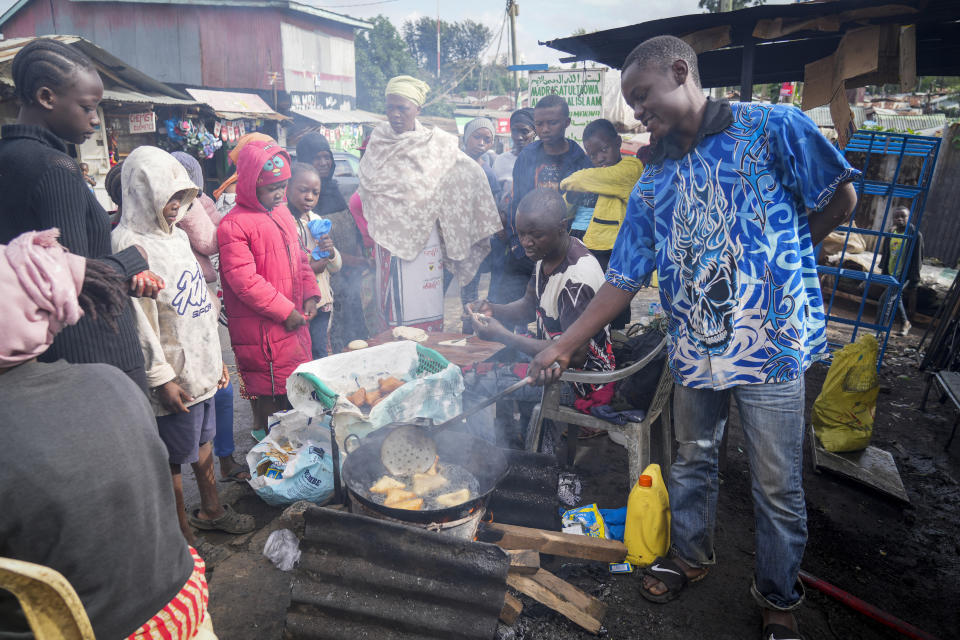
(513, 10)
(438, 41)
(725, 5)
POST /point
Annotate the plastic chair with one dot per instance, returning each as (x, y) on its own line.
(50, 604)
(637, 434)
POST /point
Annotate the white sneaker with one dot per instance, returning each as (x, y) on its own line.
(906, 329)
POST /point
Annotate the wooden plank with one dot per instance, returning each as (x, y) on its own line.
(524, 561)
(568, 545)
(511, 609)
(564, 598)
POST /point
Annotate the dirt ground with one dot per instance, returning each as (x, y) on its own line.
(904, 559)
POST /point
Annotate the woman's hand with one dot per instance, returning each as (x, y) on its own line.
(310, 309)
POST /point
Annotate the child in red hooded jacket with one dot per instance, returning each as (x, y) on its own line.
(269, 290)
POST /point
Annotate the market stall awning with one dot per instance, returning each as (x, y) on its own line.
(338, 116)
(233, 105)
(122, 83)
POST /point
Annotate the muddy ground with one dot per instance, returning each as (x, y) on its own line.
(904, 559)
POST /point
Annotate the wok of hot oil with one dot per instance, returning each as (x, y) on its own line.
(457, 478)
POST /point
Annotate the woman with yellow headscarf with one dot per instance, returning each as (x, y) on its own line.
(427, 205)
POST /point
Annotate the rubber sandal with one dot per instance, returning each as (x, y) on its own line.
(212, 554)
(234, 476)
(229, 522)
(671, 574)
(780, 632)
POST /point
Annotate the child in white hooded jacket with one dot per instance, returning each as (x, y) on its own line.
(178, 331)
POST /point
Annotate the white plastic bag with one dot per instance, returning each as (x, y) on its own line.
(293, 462)
(436, 396)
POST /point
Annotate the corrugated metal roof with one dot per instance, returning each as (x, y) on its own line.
(364, 578)
(123, 95)
(910, 123)
(299, 7)
(117, 75)
(234, 105)
(822, 118)
(337, 116)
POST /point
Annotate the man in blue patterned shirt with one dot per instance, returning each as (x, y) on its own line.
(727, 212)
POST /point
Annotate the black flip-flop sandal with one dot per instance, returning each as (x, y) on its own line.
(670, 574)
(780, 632)
(234, 476)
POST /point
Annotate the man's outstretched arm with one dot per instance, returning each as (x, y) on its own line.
(605, 306)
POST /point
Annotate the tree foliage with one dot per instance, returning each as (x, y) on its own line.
(713, 6)
(381, 54)
(461, 44)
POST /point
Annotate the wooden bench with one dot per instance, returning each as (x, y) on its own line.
(949, 383)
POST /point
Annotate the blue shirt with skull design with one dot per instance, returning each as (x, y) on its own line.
(726, 228)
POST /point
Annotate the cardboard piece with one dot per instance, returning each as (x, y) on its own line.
(771, 29)
(825, 80)
(708, 39)
(872, 467)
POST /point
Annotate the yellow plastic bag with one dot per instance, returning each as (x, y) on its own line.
(844, 411)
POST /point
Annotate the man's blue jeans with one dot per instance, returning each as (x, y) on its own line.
(772, 419)
(223, 444)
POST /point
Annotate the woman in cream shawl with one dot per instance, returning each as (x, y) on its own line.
(427, 204)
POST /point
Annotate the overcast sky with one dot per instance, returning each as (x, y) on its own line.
(538, 19)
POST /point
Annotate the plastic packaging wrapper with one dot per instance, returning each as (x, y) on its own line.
(432, 387)
(844, 411)
(282, 549)
(293, 462)
(589, 517)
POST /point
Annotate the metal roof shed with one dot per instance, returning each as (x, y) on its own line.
(774, 43)
(233, 105)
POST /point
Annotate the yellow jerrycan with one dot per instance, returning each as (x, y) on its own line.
(647, 530)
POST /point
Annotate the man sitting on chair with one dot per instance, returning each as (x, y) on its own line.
(564, 281)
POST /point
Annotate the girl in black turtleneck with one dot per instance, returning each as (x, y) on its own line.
(59, 90)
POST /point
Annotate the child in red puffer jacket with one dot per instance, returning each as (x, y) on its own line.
(269, 290)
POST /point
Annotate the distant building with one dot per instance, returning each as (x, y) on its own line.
(293, 54)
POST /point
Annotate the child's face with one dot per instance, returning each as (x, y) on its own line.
(303, 192)
(478, 143)
(603, 151)
(539, 236)
(172, 208)
(71, 113)
(550, 124)
(84, 168)
(271, 195)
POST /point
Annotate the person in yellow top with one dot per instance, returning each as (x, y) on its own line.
(612, 178)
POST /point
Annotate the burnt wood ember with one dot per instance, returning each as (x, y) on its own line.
(361, 578)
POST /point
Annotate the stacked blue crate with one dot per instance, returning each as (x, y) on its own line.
(875, 145)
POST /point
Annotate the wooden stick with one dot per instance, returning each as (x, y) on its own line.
(508, 536)
(564, 598)
(511, 609)
(524, 561)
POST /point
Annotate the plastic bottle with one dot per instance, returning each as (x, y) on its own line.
(647, 530)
